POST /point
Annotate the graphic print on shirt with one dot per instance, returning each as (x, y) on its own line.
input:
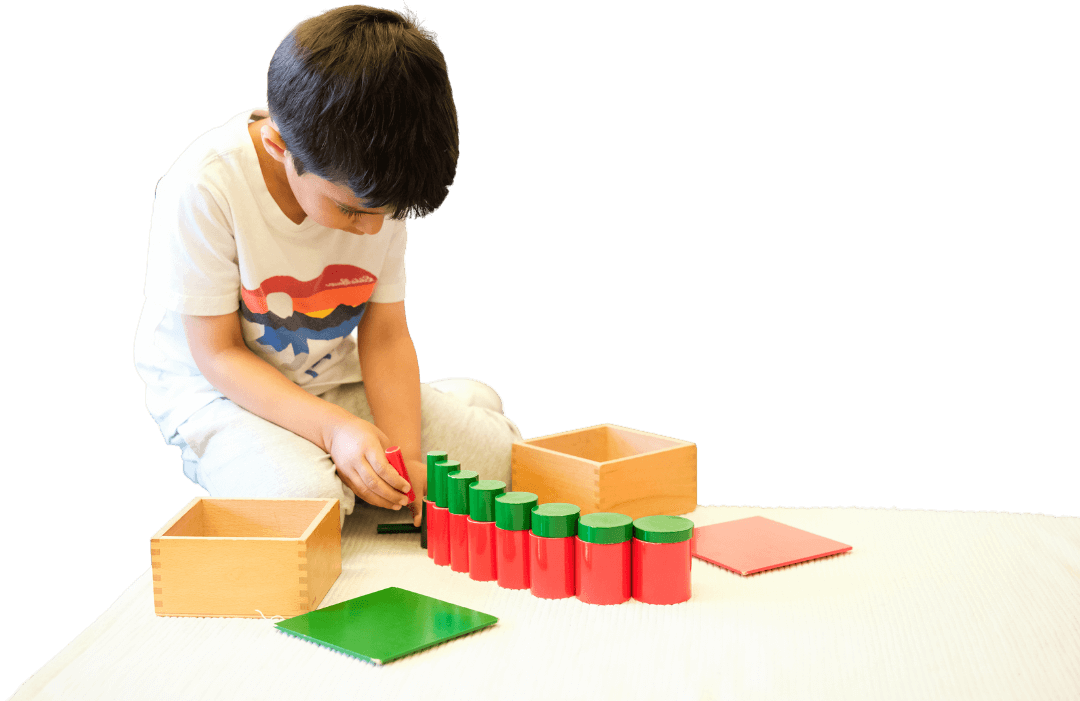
(294, 312)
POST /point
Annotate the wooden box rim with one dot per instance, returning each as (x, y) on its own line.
(315, 521)
(677, 443)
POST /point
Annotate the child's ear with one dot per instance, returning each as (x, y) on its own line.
(271, 139)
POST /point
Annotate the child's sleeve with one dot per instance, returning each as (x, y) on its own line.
(391, 284)
(191, 262)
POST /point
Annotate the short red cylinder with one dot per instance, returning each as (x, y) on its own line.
(512, 553)
(551, 567)
(482, 563)
(439, 534)
(428, 505)
(661, 572)
(602, 572)
(459, 542)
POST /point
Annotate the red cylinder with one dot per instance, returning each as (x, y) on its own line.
(482, 562)
(439, 534)
(551, 567)
(427, 524)
(512, 553)
(602, 572)
(459, 543)
(661, 572)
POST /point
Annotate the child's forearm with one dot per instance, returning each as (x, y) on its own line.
(257, 386)
(392, 383)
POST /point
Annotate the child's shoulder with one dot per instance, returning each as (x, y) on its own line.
(218, 158)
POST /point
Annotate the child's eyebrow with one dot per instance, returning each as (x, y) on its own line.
(363, 210)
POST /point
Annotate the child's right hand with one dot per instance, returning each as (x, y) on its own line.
(358, 449)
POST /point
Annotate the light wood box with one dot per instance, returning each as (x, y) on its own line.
(240, 557)
(609, 468)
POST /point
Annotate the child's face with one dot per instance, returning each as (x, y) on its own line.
(329, 205)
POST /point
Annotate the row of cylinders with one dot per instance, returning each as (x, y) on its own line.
(476, 526)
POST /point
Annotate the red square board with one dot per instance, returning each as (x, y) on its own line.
(754, 544)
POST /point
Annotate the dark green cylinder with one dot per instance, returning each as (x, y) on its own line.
(555, 520)
(434, 457)
(513, 509)
(457, 490)
(663, 529)
(482, 497)
(442, 469)
(605, 528)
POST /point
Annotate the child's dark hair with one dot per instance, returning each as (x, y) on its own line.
(361, 98)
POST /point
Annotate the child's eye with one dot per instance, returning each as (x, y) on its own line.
(349, 213)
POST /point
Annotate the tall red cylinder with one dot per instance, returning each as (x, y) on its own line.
(439, 535)
(457, 501)
(439, 523)
(435, 475)
(428, 507)
(459, 542)
(482, 562)
(512, 521)
(512, 549)
(551, 567)
(552, 550)
(483, 550)
(602, 572)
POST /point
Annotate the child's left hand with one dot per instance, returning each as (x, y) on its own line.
(418, 480)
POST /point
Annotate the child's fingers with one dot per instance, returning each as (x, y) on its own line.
(367, 485)
(397, 461)
(351, 476)
(385, 479)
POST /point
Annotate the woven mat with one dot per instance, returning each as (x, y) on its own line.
(928, 605)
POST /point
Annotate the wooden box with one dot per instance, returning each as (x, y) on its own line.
(609, 468)
(240, 557)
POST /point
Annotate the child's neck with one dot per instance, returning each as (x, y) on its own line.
(277, 182)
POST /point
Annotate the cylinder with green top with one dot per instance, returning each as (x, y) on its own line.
(661, 559)
(603, 558)
(513, 512)
(440, 511)
(552, 550)
(483, 564)
(457, 502)
(429, 498)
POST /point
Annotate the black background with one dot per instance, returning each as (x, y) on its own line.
(612, 251)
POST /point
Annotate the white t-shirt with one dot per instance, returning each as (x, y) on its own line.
(219, 244)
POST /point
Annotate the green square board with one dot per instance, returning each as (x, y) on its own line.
(386, 624)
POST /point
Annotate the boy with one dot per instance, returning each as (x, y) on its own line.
(277, 235)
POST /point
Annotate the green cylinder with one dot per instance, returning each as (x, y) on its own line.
(513, 509)
(605, 528)
(457, 490)
(663, 529)
(555, 520)
(482, 496)
(435, 456)
(442, 469)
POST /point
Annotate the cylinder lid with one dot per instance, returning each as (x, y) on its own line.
(442, 469)
(605, 528)
(555, 520)
(457, 490)
(433, 457)
(513, 509)
(482, 496)
(663, 529)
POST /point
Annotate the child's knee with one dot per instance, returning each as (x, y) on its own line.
(470, 392)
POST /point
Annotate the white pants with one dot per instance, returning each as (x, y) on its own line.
(233, 453)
